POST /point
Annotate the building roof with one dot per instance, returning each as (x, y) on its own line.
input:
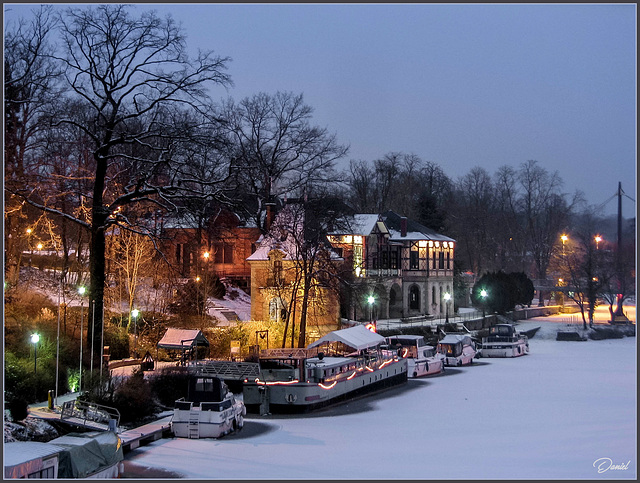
(182, 338)
(358, 337)
(415, 230)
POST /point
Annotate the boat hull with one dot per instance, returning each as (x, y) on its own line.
(505, 349)
(425, 367)
(305, 396)
(195, 423)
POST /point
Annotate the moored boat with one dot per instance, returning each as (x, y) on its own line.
(458, 349)
(422, 359)
(351, 362)
(505, 341)
(211, 411)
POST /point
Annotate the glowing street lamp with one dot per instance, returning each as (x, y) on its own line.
(134, 314)
(598, 239)
(81, 291)
(35, 338)
(564, 239)
(371, 300)
(483, 294)
(447, 297)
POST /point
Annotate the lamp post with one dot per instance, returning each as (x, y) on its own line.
(371, 299)
(205, 255)
(35, 338)
(564, 239)
(483, 294)
(598, 239)
(447, 297)
(81, 291)
(134, 314)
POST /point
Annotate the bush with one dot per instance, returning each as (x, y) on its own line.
(170, 385)
(133, 398)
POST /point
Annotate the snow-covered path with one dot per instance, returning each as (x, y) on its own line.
(549, 415)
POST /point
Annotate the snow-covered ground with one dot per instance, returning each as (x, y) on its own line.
(568, 410)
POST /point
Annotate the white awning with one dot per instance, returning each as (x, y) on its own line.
(358, 337)
(182, 339)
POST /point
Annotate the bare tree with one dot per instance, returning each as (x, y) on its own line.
(135, 82)
(29, 88)
(275, 148)
(587, 267)
(473, 215)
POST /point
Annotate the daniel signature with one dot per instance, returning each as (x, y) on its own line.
(606, 464)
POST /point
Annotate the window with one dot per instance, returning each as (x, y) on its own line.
(414, 257)
(277, 271)
(223, 253)
(441, 264)
(448, 259)
(414, 298)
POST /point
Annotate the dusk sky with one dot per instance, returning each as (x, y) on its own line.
(462, 85)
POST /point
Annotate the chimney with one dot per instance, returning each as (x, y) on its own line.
(269, 217)
(403, 226)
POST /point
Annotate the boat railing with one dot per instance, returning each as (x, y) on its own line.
(89, 412)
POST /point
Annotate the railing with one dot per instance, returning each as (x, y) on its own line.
(227, 369)
(88, 411)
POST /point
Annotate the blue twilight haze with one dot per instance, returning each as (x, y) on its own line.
(462, 85)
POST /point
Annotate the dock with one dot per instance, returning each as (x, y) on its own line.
(131, 438)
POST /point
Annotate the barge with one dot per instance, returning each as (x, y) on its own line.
(338, 366)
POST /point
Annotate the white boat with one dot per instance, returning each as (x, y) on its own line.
(422, 359)
(211, 411)
(458, 349)
(351, 362)
(505, 341)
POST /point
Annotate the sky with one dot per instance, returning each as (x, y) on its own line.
(461, 85)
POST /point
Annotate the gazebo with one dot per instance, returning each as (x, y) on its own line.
(185, 340)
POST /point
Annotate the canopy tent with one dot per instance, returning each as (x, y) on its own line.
(181, 339)
(358, 337)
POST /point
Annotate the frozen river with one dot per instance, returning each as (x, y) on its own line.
(568, 410)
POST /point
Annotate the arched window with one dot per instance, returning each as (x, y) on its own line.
(414, 298)
(277, 310)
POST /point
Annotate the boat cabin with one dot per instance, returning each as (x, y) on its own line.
(502, 333)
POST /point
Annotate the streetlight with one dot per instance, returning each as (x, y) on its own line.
(447, 297)
(35, 338)
(598, 240)
(371, 299)
(81, 291)
(134, 314)
(205, 255)
(564, 238)
(483, 294)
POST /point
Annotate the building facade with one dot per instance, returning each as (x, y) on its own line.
(400, 268)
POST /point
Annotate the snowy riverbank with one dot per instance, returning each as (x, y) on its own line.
(557, 413)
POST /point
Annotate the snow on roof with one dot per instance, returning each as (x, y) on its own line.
(23, 457)
(174, 338)
(358, 337)
(455, 338)
(415, 230)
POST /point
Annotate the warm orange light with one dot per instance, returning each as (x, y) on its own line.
(598, 238)
(276, 383)
(28, 231)
(564, 238)
(368, 369)
(206, 255)
(371, 326)
(39, 247)
(352, 375)
(327, 387)
(405, 351)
